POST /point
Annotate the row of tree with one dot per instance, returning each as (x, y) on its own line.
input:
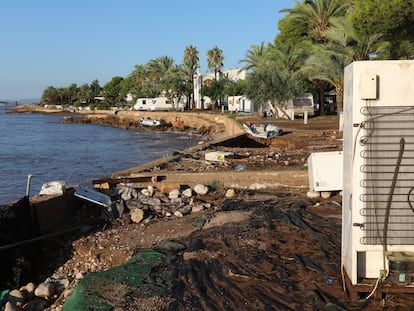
(158, 76)
(316, 40)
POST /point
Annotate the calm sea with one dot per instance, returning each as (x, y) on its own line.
(39, 145)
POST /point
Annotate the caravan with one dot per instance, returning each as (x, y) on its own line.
(156, 104)
(303, 103)
(240, 104)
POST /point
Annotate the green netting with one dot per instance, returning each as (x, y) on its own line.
(4, 295)
(104, 290)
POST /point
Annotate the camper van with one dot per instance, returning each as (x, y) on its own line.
(156, 104)
(303, 102)
(239, 104)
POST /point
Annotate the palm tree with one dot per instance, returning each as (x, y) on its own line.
(317, 15)
(191, 63)
(288, 57)
(50, 96)
(253, 57)
(215, 63)
(157, 69)
(343, 47)
(215, 60)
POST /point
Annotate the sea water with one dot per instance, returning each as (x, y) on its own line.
(40, 146)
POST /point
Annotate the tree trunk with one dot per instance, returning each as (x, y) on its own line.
(321, 87)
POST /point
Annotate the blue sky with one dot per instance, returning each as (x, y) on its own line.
(57, 42)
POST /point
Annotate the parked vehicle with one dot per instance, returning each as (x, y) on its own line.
(304, 103)
(156, 104)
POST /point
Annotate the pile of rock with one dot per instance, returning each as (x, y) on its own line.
(168, 200)
(32, 297)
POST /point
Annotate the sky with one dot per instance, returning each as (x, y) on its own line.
(56, 43)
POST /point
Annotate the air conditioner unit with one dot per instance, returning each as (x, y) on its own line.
(378, 196)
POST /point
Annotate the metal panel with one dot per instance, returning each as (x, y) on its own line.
(387, 141)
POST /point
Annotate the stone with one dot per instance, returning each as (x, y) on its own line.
(17, 297)
(326, 194)
(200, 189)
(230, 193)
(133, 204)
(146, 192)
(178, 214)
(188, 193)
(127, 193)
(185, 209)
(148, 200)
(137, 215)
(313, 194)
(11, 307)
(174, 194)
(79, 275)
(30, 287)
(197, 208)
(45, 289)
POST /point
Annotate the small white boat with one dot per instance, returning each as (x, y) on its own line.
(265, 131)
(150, 122)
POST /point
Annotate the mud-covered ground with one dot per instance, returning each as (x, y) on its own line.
(269, 249)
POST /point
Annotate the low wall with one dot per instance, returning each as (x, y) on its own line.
(226, 126)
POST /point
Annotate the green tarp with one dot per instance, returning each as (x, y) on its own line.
(106, 289)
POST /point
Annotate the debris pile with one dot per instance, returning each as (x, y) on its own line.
(167, 201)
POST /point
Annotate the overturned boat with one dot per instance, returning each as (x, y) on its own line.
(265, 131)
(151, 122)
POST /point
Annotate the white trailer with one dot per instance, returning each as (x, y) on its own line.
(157, 104)
(239, 104)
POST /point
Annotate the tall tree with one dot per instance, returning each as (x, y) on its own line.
(317, 16)
(215, 59)
(175, 85)
(84, 94)
(327, 62)
(50, 96)
(253, 57)
(392, 18)
(270, 84)
(158, 68)
(141, 83)
(191, 63)
(112, 90)
(96, 89)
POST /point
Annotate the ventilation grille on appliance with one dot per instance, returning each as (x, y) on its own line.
(387, 164)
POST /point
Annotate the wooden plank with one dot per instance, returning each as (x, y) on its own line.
(115, 181)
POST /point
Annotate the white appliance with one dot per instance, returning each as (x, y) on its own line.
(378, 196)
(325, 171)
